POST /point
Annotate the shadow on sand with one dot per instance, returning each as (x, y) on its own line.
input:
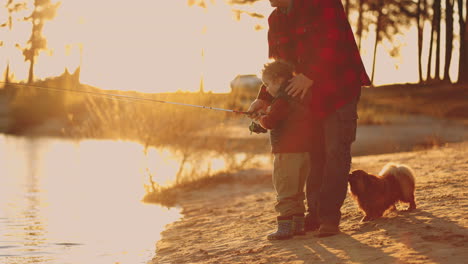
(429, 237)
(405, 237)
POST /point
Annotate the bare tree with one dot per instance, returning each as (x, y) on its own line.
(431, 41)
(43, 11)
(12, 8)
(392, 17)
(448, 38)
(360, 25)
(379, 7)
(420, 19)
(465, 46)
(462, 63)
(437, 19)
(435, 39)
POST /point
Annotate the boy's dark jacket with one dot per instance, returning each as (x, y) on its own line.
(290, 125)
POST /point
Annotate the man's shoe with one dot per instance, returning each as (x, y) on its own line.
(285, 230)
(311, 224)
(327, 230)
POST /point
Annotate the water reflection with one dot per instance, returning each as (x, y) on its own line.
(64, 202)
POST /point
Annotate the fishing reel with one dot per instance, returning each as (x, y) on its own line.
(256, 128)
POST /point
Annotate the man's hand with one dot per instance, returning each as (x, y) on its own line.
(299, 85)
(257, 107)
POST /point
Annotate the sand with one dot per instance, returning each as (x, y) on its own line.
(228, 223)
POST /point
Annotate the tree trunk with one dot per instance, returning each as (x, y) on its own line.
(7, 73)
(431, 45)
(448, 38)
(32, 40)
(462, 61)
(377, 40)
(420, 38)
(360, 24)
(465, 46)
(437, 18)
(31, 71)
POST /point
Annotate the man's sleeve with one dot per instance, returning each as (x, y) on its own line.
(279, 111)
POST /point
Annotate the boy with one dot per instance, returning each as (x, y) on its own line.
(290, 137)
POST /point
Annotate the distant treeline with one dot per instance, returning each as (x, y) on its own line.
(387, 18)
(40, 12)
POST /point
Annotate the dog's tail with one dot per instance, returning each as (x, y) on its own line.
(404, 176)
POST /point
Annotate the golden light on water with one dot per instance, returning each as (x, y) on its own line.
(62, 202)
(81, 202)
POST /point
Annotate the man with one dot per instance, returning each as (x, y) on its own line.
(315, 37)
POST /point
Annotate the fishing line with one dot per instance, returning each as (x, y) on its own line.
(124, 97)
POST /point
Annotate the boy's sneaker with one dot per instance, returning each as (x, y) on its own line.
(298, 225)
(285, 230)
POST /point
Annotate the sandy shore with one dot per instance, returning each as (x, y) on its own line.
(228, 223)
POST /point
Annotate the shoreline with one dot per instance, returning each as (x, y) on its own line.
(227, 223)
(403, 133)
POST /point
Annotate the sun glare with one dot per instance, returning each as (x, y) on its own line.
(148, 46)
(160, 46)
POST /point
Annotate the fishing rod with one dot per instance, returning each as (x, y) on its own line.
(126, 97)
(254, 127)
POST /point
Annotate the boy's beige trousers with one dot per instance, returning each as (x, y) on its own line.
(290, 172)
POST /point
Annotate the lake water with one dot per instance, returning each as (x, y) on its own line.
(63, 202)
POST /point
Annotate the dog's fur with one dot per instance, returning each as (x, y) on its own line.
(376, 194)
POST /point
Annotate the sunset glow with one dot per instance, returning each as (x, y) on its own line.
(159, 46)
(149, 46)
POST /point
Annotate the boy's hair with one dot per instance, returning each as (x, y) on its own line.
(278, 69)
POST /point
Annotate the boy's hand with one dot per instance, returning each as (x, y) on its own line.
(257, 107)
(258, 116)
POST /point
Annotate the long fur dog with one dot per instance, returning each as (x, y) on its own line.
(376, 194)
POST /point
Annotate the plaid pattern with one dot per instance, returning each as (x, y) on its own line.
(285, 230)
(299, 225)
(315, 36)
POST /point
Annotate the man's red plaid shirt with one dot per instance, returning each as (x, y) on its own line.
(315, 36)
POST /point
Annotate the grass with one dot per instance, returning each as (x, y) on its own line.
(168, 195)
(441, 100)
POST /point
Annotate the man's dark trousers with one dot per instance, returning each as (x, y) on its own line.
(327, 183)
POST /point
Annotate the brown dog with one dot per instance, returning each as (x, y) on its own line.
(376, 194)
